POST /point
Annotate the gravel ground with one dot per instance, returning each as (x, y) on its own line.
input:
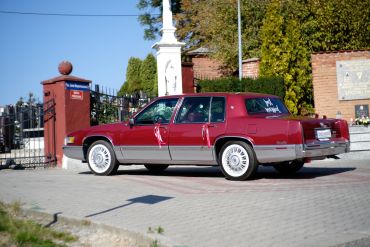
(90, 234)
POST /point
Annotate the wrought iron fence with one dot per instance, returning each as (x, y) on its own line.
(22, 136)
(107, 107)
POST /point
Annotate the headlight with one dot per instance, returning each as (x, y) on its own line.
(69, 140)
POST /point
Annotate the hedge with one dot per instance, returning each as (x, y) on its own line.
(267, 85)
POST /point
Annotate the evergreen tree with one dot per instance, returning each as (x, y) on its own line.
(148, 75)
(141, 75)
(285, 55)
(133, 80)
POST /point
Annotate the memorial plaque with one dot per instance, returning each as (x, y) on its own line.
(361, 111)
(353, 79)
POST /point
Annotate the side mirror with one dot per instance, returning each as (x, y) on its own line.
(131, 122)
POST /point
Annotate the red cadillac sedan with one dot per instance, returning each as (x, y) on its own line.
(235, 131)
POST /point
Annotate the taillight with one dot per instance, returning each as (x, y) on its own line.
(344, 130)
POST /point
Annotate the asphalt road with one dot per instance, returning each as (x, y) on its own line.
(326, 204)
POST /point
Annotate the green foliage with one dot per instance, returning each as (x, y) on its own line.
(153, 22)
(103, 109)
(148, 75)
(267, 85)
(283, 33)
(133, 74)
(159, 230)
(211, 24)
(28, 233)
(221, 34)
(285, 54)
(141, 75)
(338, 25)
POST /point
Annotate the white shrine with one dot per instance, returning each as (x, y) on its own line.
(168, 56)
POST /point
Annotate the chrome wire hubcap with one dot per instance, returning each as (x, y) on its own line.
(99, 158)
(235, 160)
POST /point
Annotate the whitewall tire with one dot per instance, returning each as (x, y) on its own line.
(237, 160)
(101, 158)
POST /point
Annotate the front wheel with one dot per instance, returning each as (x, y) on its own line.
(101, 158)
(237, 160)
(289, 167)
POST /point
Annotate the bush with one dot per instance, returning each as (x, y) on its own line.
(267, 85)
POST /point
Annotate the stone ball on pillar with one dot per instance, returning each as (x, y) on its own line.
(65, 68)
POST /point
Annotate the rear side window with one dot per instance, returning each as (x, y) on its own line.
(265, 106)
(194, 110)
(218, 109)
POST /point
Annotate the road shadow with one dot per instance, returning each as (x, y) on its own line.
(148, 200)
(264, 172)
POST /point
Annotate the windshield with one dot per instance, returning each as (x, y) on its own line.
(265, 106)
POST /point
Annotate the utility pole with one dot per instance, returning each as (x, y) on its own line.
(240, 43)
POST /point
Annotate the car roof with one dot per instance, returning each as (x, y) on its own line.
(219, 94)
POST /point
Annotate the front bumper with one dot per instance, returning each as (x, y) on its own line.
(74, 152)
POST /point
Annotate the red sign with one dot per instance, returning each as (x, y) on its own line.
(76, 94)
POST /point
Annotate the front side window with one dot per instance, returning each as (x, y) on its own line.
(194, 110)
(158, 112)
(265, 106)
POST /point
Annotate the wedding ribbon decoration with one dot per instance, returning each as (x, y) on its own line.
(157, 134)
(205, 134)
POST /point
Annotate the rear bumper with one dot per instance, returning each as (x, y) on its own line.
(280, 153)
(74, 152)
(322, 150)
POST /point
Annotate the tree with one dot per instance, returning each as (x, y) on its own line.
(153, 22)
(133, 80)
(219, 27)
(211, 24)
(148, 75)
(141, 75)
(285, 55)
(283, 33)
(339, 25)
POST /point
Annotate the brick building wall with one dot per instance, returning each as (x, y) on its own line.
(206, 68)
(251, 67)
(325, 86)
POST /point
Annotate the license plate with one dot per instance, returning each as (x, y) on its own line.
(323, 134)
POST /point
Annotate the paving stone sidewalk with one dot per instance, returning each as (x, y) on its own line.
(325, 204)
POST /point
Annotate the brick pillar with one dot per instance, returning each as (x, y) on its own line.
(71, 97)
(187, 77)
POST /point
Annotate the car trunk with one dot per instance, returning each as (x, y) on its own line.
(321, 129)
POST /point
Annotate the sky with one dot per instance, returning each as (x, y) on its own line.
(32, 46)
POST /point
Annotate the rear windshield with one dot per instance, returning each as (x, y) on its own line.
(265, 106)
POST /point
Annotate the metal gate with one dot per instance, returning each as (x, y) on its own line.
(108, 107)
(22, 137)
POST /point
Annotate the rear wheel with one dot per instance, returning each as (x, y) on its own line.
(156, 168)
(289, 167)
(237, 160)
(101, 158)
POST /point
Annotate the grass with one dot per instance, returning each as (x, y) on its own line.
(18, 232)
(158, 230)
